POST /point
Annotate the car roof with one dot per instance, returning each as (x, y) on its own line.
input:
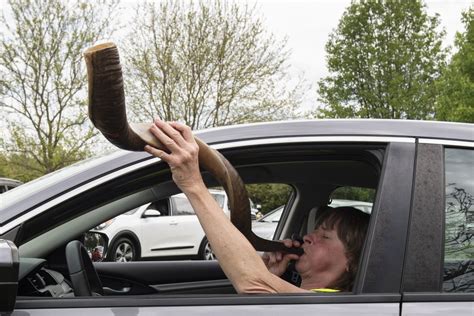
(342, 127)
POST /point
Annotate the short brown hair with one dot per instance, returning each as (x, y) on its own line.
(351, 225)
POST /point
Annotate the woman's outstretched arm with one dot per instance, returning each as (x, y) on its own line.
(237, 257)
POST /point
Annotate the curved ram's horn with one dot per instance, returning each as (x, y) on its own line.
(107, 112)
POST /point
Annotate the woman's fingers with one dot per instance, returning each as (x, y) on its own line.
(171, 133)
(296, 243)
(157, 153)
(185, 131)
(164, 138)
(287, 242)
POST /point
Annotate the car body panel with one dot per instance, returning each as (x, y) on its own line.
(438, 308)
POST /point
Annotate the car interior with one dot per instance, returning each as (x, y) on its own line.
(54, 262)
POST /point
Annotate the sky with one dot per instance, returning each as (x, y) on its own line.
(307, 24)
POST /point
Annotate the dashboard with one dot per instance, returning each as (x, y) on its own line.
(38, 280)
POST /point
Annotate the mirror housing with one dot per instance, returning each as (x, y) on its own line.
(9, 268)
(151, 213)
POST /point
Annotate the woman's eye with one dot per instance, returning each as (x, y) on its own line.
(326, 237)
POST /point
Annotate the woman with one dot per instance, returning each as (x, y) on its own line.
(331, 252)
(328, 258)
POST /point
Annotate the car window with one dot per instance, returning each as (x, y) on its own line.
(161, 205)
(181, 206)
(268, 200)
(459, 226)
(220, 199)
(273, 216)
(359, 198)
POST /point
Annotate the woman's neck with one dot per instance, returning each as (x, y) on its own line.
(319, 282)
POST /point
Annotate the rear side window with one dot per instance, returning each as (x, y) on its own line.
(182, 206)
(359, 198)
(459, 225)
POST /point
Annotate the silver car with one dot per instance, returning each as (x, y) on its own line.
(418, 254)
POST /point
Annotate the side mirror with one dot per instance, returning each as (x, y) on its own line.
(151, 213)
(96, 245)
(9, 267)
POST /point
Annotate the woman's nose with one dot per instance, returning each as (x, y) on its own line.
(307, 239)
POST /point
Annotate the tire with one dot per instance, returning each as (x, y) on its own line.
(123, 250)
(205, 251)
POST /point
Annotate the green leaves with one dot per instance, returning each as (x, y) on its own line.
(455, 101)
(383, 59)
(42, 90)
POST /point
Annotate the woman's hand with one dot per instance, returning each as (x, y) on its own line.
(277, 262)
(182, 155)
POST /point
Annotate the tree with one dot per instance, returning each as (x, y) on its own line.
(206, 64)
(269, 195)
(383, 59)
(455, 100)
(42, 80)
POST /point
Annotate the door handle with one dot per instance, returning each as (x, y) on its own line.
(110, 291)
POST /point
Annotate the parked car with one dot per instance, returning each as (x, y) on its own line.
(418, 253)
(365, 207)
(7, 184)
(265, 227)
(132, 236)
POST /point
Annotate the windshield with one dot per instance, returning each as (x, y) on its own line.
(274, 216)
(32, 187)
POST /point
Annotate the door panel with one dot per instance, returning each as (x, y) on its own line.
(163, 277)
(438, 309)
(170, 235)
(298, 304)
(265, 310)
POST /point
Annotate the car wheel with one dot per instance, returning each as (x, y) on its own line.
(205, 251)
(124, 250)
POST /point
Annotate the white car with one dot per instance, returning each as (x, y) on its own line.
(134, 235)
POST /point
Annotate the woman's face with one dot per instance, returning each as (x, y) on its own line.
(324, 254)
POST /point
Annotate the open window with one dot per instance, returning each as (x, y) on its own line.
(290, 181)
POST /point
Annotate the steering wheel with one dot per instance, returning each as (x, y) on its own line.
(82, 273)
(107, 112)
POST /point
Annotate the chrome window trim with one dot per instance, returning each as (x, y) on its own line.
(313, 139)
(254, 142)
(447, 142)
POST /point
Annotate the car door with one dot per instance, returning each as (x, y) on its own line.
(439, 270)
(378, 287)
(176, 232)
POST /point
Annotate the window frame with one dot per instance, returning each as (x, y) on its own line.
(423, 270)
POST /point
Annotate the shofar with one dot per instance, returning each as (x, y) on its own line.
(107, 113)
